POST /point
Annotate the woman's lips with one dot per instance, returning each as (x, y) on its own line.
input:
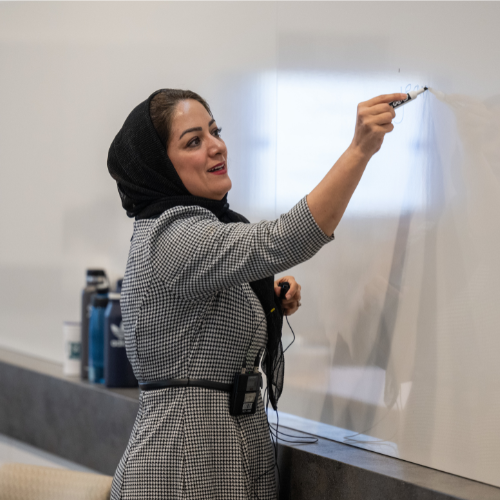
(222, 171)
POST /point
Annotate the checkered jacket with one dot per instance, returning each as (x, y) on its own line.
(188, 311)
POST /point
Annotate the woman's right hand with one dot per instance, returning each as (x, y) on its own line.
(374, 120)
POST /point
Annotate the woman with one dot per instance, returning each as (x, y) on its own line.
(199, 299)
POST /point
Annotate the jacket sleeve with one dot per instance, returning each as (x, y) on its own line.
(196, 255)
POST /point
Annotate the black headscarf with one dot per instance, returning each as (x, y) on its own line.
(148, 185)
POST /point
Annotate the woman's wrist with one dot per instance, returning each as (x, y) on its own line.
(357, 154)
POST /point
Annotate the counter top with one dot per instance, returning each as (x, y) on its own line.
(91, 424)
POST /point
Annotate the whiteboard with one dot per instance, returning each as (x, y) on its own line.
(397, 341)
(398, 350)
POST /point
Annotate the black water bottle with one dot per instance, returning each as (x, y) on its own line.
(95, 278)
(118, 371)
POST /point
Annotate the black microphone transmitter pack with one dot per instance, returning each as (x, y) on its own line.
(243, 400)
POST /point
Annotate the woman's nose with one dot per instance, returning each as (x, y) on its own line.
(216, 146)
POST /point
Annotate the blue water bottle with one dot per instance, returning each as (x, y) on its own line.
(95, 278)
(118, 371)
(96, 336)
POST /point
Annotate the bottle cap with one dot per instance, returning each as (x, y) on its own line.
(95, 276)
(114, 296)
(95, 272)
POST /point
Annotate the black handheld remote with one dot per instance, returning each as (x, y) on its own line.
(285, 286)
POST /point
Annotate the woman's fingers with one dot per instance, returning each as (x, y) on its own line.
(294, 289)
(379, 115)
(383, 118)
(382, 110)
(294, 286)
(291, 306)
(387, 128)
(374, 120)
(385, 98)
(291, 302)
(295, 299)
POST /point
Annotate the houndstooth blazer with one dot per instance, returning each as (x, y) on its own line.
(188, 311)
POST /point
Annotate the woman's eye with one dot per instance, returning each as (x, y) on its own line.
(195, 141)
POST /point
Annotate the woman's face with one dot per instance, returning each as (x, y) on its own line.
(195, 149)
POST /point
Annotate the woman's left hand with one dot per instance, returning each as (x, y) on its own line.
(291, 302)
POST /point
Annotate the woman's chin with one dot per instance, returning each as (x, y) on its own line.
(213, 191)
(224, 188)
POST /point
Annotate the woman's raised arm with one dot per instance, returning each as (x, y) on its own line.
(329, 199)
(194, 254)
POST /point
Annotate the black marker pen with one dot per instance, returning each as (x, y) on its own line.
(409, 97)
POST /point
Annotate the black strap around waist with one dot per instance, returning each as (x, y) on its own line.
(185, 382)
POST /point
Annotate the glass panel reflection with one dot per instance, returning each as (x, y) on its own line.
(400, 307)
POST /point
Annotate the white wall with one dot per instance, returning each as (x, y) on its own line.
(398, 335)
(71, 73)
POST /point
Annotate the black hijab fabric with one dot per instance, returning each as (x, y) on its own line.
(148, 185)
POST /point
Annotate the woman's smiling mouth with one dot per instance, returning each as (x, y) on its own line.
(218, 169)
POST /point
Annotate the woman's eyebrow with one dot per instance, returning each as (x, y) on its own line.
(196, 129)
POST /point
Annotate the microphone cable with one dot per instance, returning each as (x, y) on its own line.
(274, 430)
